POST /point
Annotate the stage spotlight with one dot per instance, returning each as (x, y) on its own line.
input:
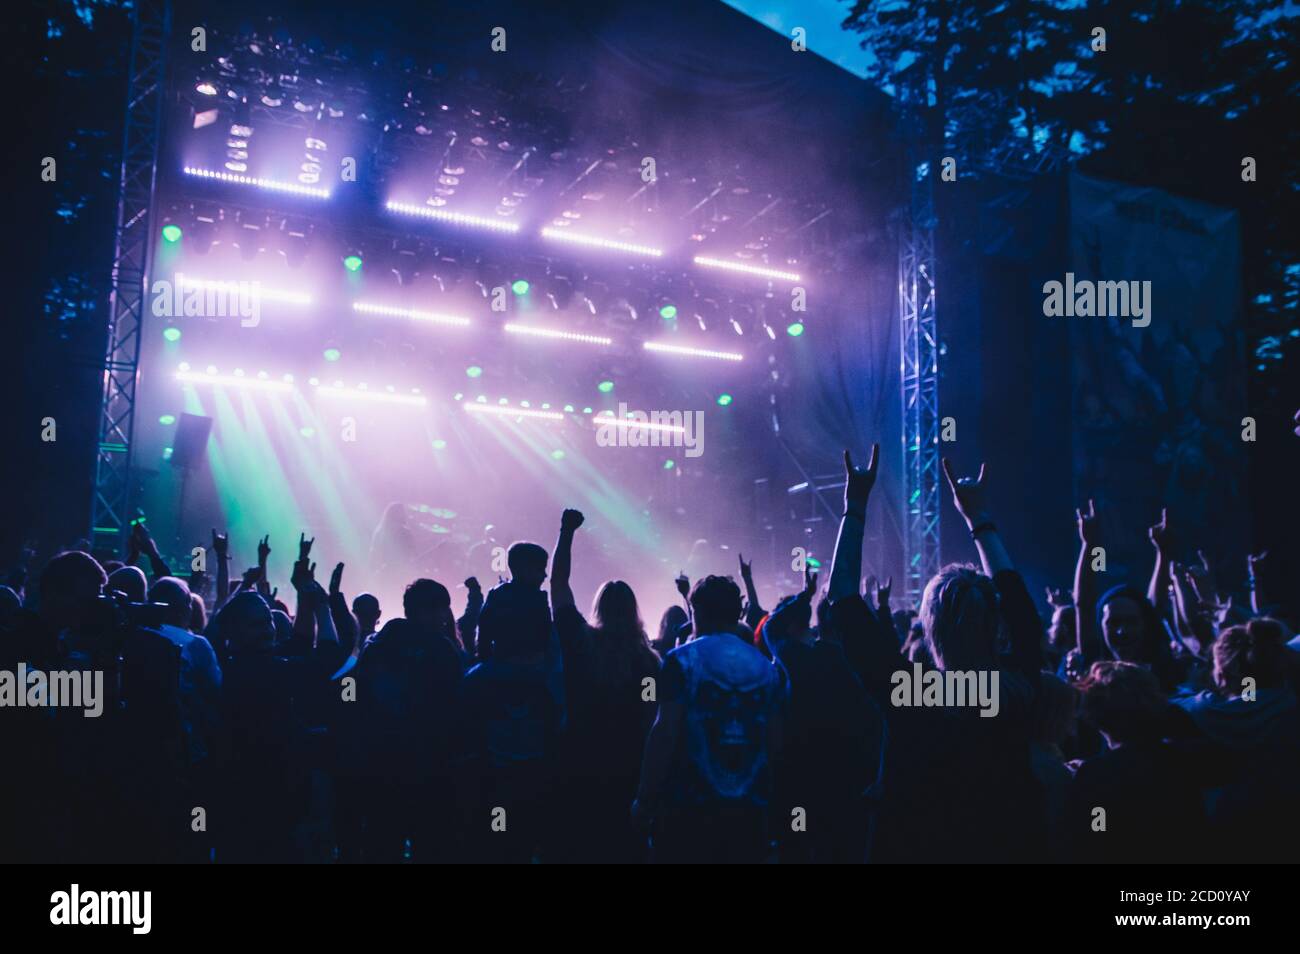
(453, 218)
(267, 184)
(473, 371)
(183, 366)
(724, 400)
(364, 393)
(568, 408)
(692, 352)
(604, 387)
(352, 263)
(745, 269)
(171, 334)
(670, 464)
(167, 420)
(794, 329)
(607, 418)
(520, 287)
(564, 235)
(490, 409)
(367, 308)
(332, 354)
(668, 312)
(235, 380)
(206, 89)
(551, 333)
(307, 431)
(171, 233)
(233, 288)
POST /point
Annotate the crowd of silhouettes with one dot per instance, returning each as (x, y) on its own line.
(1129, 725)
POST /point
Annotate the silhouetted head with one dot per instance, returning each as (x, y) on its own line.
(615, 609)
(715, 604)
(1255, 650)
(674, 618)
(527, 562)
(130, 581)
(1128, 624)
(69, 581)
(245, 625)
(427, 604)
(175, 595)
(1124, 701)
(959, 611)
(366, 609)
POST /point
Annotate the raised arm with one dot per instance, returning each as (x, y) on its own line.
(1257, 601)
(968, 497)
(221, 548)
(562, 561)
(754, 611)
(1085, 585)
(1162, 539)
(145, 543)
(467, 625)
(345, 624)
(846, 566)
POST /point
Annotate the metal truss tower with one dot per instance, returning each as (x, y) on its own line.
(132, 257)
(917, 274)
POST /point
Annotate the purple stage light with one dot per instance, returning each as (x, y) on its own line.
(745, 269)
(233, 287)
(563, 235)
(553, 333)
(608, 418)
(368, 308)
(500, 411)
(230, 380)
(454, 218)
(693, 352)
(365, 394)
(260, 183)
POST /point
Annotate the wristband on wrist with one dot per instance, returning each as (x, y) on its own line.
(982, 527)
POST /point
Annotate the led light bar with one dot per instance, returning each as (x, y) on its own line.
(552, 333)
(267, 184)
(693, 352)
(232, 380)
(745, 269)
(455, 218)
(563, 235)
(609, 418)
(501, 411)
(255, 288)
(366, 308)
(366, 394)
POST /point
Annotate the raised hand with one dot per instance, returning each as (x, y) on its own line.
(1058, 598)
(883, 593)
(1202, 578)
(304, 546)
(336, 580)
(263, 549)
(143, 541)
(220, 544)
(683, 585)
(967, 495)
(251, 576)
(809, 582)
(746, 569)
(1160, 534)
(571, 520)
(858, 482)
(304, 575)
(472, 585)
(1089, 524)
(1253, 560)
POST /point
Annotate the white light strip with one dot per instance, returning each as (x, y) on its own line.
(369, 309)
(563, 235)
(552, 333)
(388, 397)
(609, 418)
(260, 183)
(455, 218)
(255, 289)
(475, 408)
(230, 380)
(693, 352)
(746, 269)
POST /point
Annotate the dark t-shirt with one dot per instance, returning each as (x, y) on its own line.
(731, 693)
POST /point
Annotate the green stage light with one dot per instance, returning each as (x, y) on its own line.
(439, 443)
(724, 400)
(794, 330)
(473, 371)
(172, 233)
(332, 354)
(167, 420)
(307, 431)
(557, 454)
(604, 387)
(352, 263)
(670, 464)
(668, 312)
(520, 287)
(568, 409)
(171, 334)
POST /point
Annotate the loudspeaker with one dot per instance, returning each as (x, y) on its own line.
(191, 439)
